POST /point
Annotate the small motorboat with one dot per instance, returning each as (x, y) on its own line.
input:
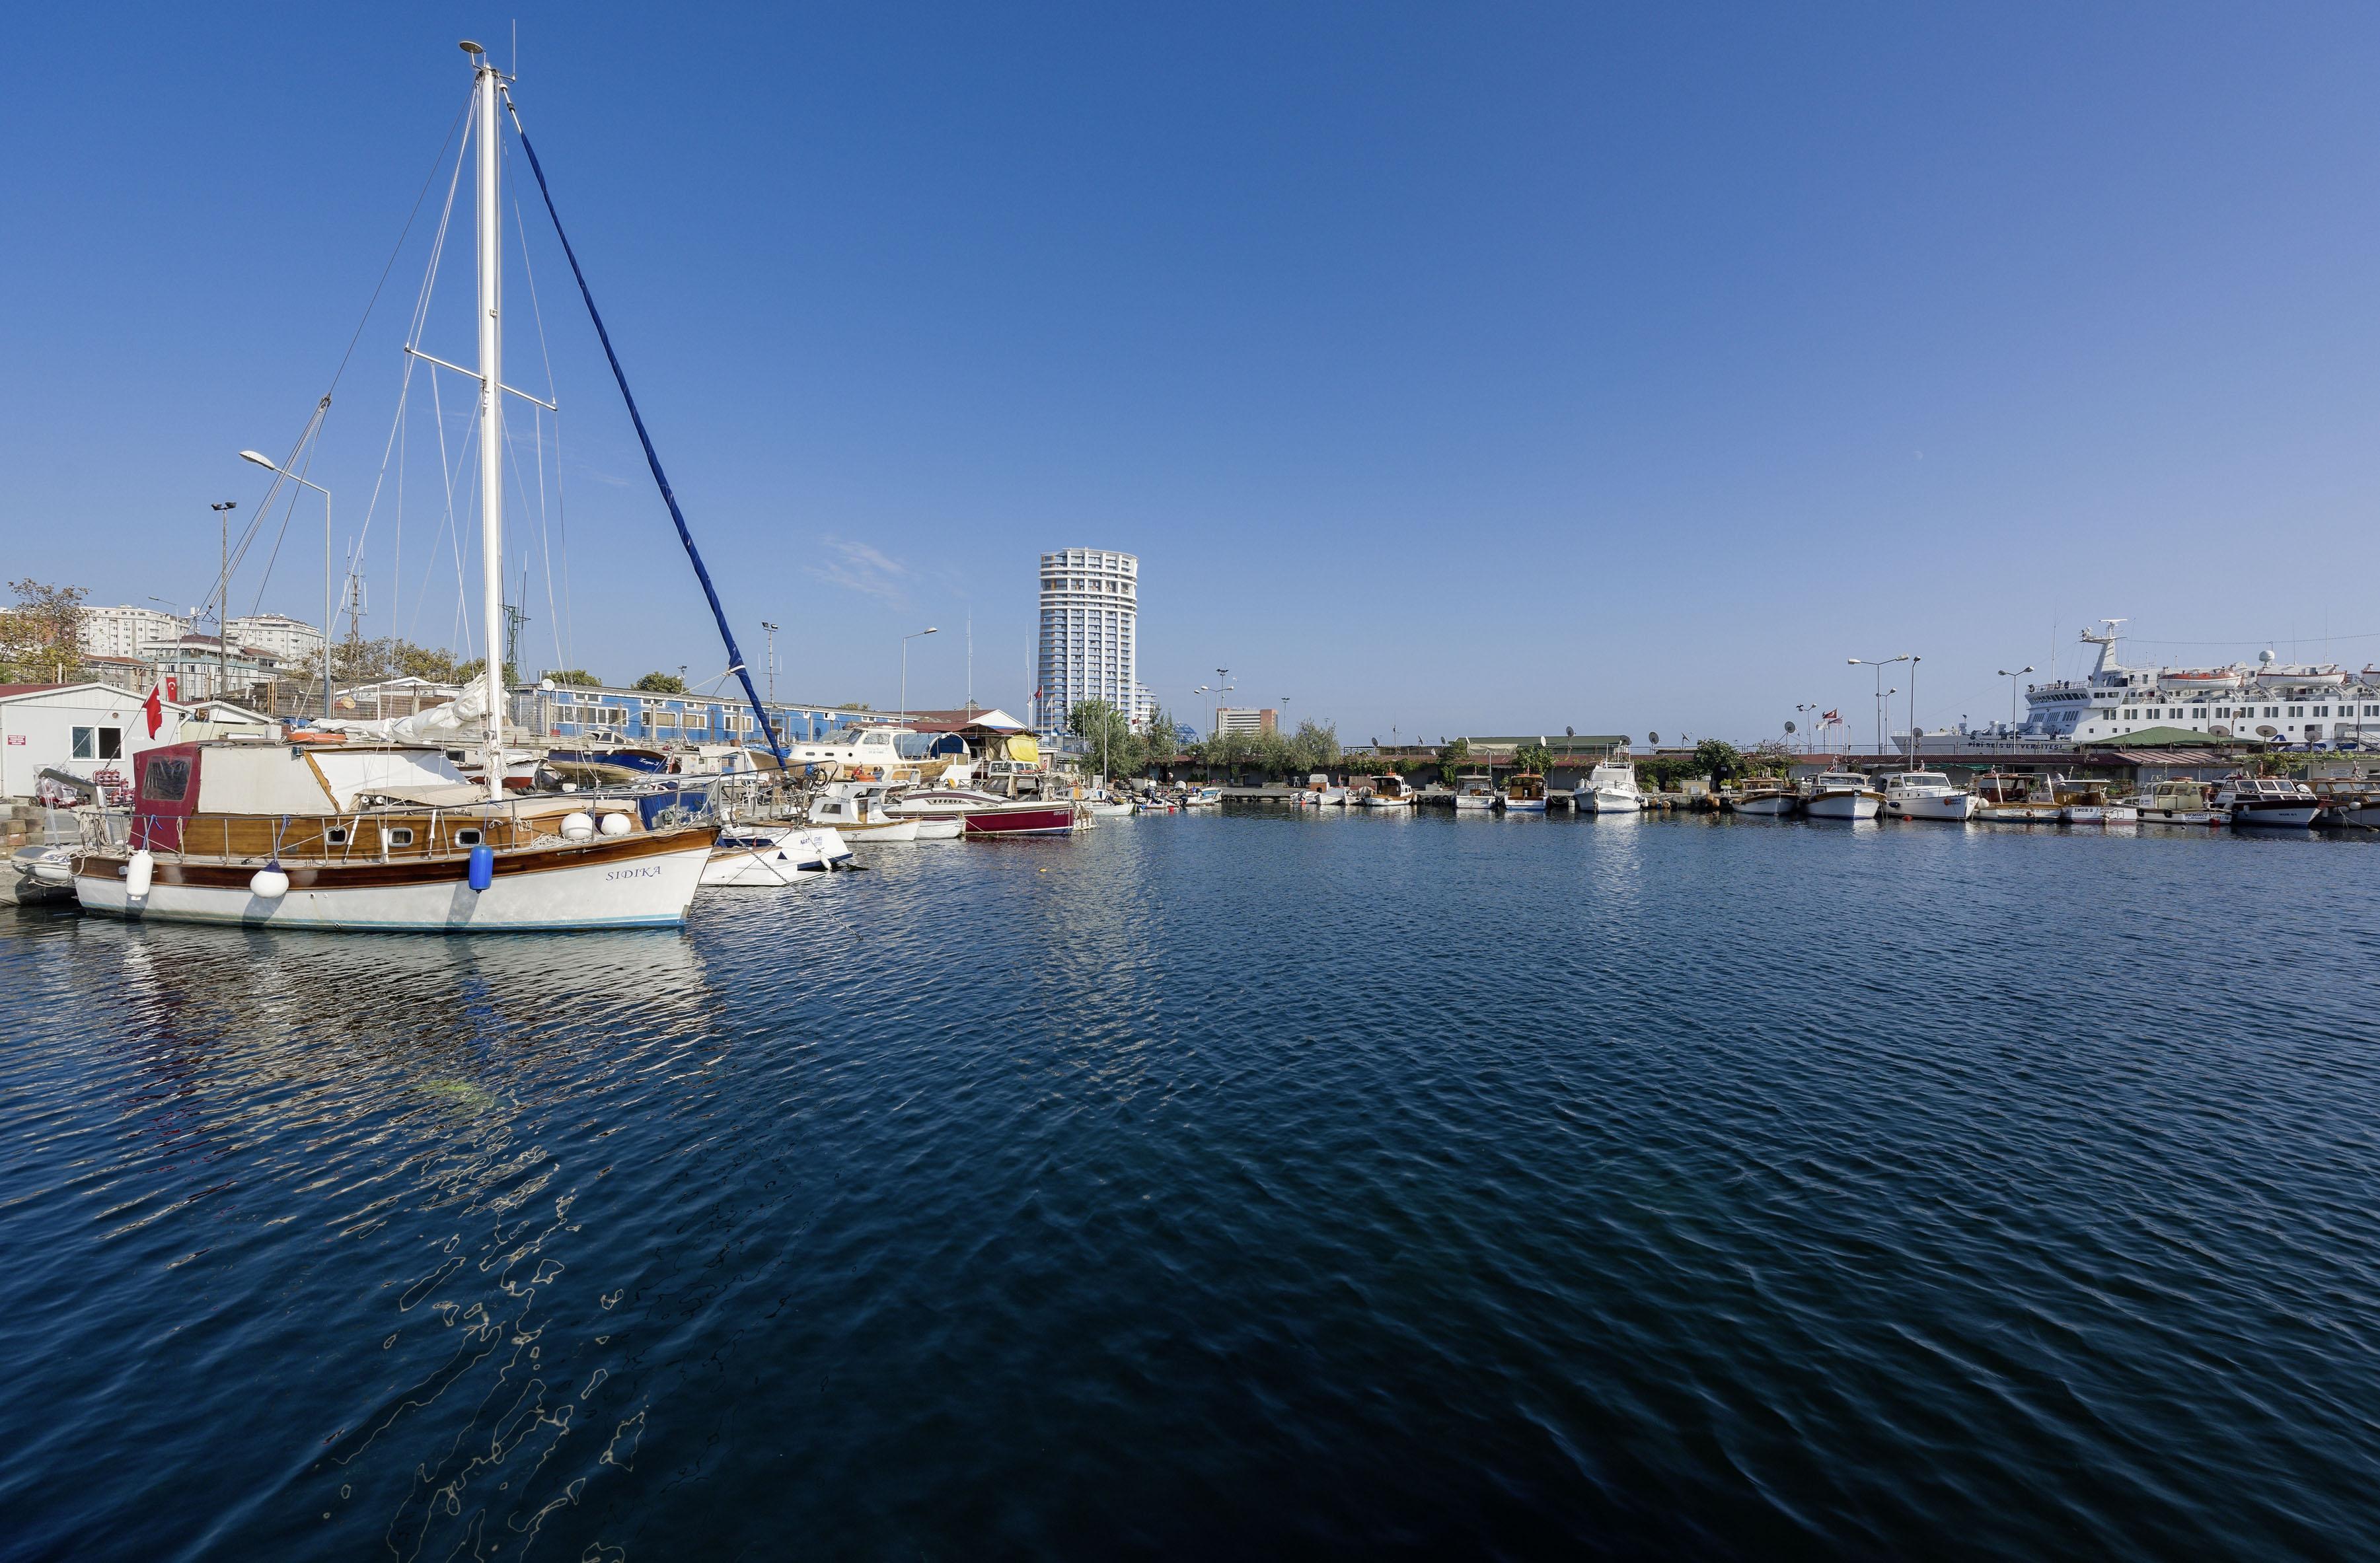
(2177, 803)
(1525, 793)
(2087, 802)
(1842, 795)
(857, 810)
(1474, 794)
(2004, 798)
(765, 855)
(2268, 801)
(1927, 794)
(1770, 795)
(1390, 791)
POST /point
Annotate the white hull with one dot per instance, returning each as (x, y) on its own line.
(648, 891)
(1955, 809)
(2292, 816)
(1773, 805)
(2179, 816)
(1469, 804)
(774, 856)
(1609, 801)
(1845, 806)
(1388, 802)
(2019, 814)
(875, 832)
(944, 828)
(1524, 805)
(1103, 809)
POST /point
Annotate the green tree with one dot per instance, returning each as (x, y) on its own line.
(477, 668)
(1315, 746)
(1110, 745)
(408, 661)
(1534, 758)
(1771, 758)
(573, 678)
(358, 661)
(1452, 755)
(658, 683)
(41, 636)
(1719, 759)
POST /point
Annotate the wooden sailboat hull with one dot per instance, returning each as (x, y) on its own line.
(635, 881)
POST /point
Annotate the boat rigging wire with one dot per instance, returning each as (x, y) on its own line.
(652, 458)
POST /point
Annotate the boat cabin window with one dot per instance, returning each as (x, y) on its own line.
(401, 835)
(467, 837)
(165, 780)
(336, 835)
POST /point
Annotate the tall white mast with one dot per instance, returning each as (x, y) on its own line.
(491, 415)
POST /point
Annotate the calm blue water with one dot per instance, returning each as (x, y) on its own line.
(1209, 1186)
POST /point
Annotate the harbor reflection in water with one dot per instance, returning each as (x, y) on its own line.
(1223, 1184)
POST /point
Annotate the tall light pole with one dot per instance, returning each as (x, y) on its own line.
(772, 660)
(265, 461)
(904, 670)
(1914, 661)
(2013, 677)
(1879, 664)
(222, 596)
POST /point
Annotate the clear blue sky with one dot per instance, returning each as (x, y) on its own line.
(1449, 368)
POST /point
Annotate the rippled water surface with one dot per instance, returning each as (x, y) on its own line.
(1215, 1186)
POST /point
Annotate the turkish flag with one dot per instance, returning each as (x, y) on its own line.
(155, 709)
(173, 687)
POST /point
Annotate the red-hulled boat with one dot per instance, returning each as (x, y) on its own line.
(988, 814)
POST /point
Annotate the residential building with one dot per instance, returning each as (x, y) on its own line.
(289, 640)
(1091, 638)
(197, 666)
(127, 631)
(1245, 719)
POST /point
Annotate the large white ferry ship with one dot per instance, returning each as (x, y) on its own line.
(2294, 705)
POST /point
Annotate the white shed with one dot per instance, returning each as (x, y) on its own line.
(87, 730)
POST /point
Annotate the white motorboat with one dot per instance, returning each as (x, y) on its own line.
(1611, 787)
(858, 815)
(1390, 791)
(1927, 794)
(2177, 803)
(2268, 801)
(1325, 794)
(1474, 794)
(1203, 797)
(1525, 793)
(771, 854)
(2004, 798)
(1842, 795)
(1770, 796)
(2087, 802)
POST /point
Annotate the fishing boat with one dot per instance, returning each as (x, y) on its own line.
(1525, 793)
(1474, 794)
(2178, 803)
(2083, 802)
(857, 814)
(1842, 795)
(1390, 791)
(1927, 794)
(1611, 787)
(1767, 795)
(2006, 798)
(2268, 801)
(1203, 797)
(768, 855)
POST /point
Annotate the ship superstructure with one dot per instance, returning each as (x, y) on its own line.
(2278, 703)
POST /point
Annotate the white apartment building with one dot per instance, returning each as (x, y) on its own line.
(1091, 636)
(289, 640)
(127, 631)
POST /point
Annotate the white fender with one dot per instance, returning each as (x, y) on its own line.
(577, 826)
(138, 873)
(616, 825)
(270, 883)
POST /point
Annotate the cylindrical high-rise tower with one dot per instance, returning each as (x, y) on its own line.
(1091, 636)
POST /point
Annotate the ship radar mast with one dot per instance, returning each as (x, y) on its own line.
(2110, 633)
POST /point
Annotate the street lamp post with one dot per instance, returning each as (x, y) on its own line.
(904, 670)
(772, 660)
(265, 461)
(2013, 677)
(222, 596)
(1879, 664)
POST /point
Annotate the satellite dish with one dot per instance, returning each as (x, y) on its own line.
(1570, 731)
(2268, 732)
(1652, 737)
(1788, 727)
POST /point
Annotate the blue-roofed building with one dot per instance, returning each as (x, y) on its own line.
(641, 716)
